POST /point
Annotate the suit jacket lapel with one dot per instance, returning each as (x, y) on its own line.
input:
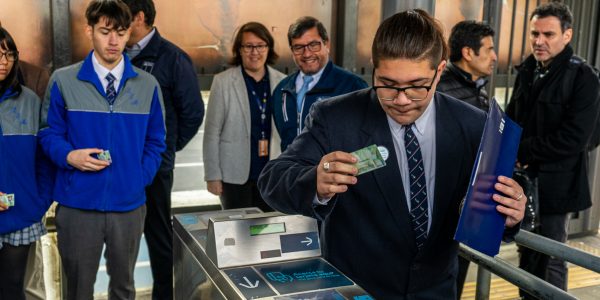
(241, 94)
(449, 158)
(377, 131)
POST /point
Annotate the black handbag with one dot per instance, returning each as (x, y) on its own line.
(530, 191)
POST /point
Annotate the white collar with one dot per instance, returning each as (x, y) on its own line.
(420, 123)
(141, 44)
(102, 71)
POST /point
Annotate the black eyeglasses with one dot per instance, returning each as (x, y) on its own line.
(314, 46)
(414, 93)
(259, 48)
(10, 55)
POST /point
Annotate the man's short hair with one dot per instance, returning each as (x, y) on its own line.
(467, 34)
(261, 32)
(116, 12)
(302, 25)
(145, 6)
(412, 34)
(555, 9)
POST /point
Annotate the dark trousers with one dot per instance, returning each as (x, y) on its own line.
(13, 261)
(81, 236)
(463, 268)
(158, 231)
(551, 270)
(242, 195)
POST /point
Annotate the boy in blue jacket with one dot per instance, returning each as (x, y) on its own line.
(105, 132)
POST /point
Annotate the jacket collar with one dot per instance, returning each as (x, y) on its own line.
(556, 64)
(8, 94)
(466, 77)
(326, 83)
(151, 50)
(87, 73)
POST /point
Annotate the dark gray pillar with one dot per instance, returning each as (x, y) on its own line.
(61, 33)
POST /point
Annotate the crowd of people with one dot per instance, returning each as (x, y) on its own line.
(101, 139)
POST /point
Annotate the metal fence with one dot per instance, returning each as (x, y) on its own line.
(525, 281)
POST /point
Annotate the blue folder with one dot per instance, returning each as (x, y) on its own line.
(480, 225)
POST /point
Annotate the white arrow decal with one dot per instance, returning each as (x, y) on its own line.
(308, 241)
(249, 284)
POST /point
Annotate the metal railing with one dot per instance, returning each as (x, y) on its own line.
(522, 279)
(525, 281)
(559, 250)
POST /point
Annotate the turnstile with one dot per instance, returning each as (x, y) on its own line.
(247, 254)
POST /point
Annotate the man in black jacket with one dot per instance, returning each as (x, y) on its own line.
(558, 116)
(184, 110)
(472, 58)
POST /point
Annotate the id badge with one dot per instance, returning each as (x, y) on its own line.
(263, 148)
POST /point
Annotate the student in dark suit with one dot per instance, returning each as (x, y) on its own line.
(394, 245)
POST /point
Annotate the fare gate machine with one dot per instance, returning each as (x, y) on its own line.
(247, 254)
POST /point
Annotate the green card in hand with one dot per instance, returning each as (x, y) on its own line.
(369, 159)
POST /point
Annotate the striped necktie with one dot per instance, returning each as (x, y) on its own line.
(418, 187)
(111, 93)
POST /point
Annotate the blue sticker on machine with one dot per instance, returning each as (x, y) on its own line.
(299, 242)
(188, 219)
(305, 275)
(321, 295)
(247, 281)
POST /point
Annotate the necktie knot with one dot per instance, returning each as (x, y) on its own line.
(307, 80)
(110, 78)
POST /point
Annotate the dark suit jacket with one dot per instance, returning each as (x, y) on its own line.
(366, 231)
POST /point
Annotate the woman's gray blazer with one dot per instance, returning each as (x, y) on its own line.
(226, 145)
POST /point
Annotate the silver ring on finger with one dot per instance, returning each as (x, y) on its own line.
(326, 166)
(520, 196)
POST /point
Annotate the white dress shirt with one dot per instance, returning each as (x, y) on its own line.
(102, 71)
(424, 129)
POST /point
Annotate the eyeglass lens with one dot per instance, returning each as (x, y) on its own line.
(9, 55)
(314, 46)
(250, 48)
(412, 93)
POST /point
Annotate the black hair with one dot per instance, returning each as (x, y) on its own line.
(115, 11)
(7, 44)
(262, 33)
(302, 25)
(555, 9)
(412, 34)
(467, 34)
(145, 6)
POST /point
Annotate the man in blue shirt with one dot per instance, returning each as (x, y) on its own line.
(105, 132)
(317, 78)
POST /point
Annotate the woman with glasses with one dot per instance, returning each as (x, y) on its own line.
(238, 134)
(21, 169)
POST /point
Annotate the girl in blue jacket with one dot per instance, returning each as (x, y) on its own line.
(22, 173)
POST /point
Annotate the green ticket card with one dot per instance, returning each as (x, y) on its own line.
(369, 159)
(105, 156)
(8, 199)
